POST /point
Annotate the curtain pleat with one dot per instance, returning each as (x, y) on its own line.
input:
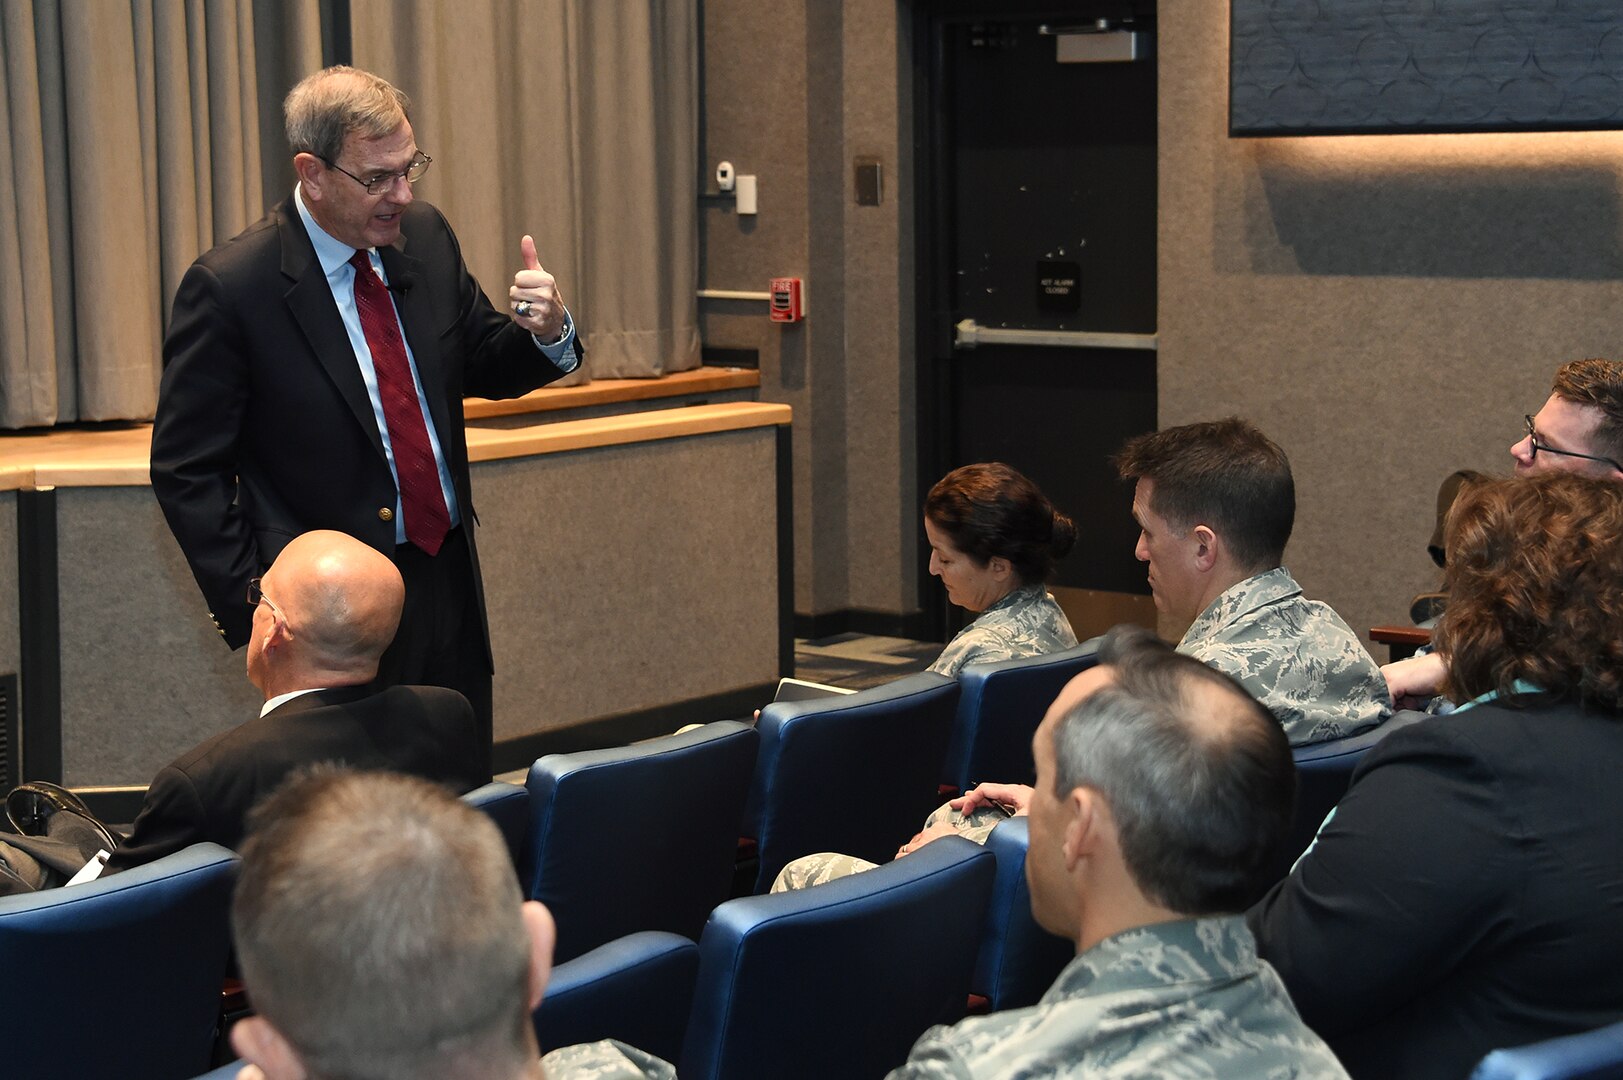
(575, 121)
(139, 134)
(132, 145)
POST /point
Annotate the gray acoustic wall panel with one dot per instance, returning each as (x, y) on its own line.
(625, 577)
(841, 78)
(1323, 67)
(1387, 309)
(145, 675)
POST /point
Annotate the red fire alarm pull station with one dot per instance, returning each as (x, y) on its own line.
(786, 305)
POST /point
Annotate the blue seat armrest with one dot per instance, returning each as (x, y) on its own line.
(637, 989)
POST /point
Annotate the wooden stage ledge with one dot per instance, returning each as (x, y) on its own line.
(704, 380)
(120, 456)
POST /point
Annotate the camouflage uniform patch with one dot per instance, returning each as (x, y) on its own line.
(1188, 999)
(1027, 622)
(826, 866)
(1294, 655)
(606, 1060)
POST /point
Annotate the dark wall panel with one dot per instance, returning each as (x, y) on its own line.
(1297, 67)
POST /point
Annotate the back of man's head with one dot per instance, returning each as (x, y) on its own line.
(342, 602)
(326, 107)
(1225, 474)
(1198, 776)
(1598, 384)
(379, 928)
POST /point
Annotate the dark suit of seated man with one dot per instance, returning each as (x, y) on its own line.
(324, 612)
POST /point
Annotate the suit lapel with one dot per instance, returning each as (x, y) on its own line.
(311, 302)
(421, 333)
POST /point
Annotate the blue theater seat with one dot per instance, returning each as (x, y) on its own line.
(1018, 960)
(839, 979)
(641, 837)
(638, 989)
(1001, 705)
(509, 807)
(855, 773)
(1593, 1055)
(120, 976)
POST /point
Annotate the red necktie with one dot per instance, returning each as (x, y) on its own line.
(421, 498)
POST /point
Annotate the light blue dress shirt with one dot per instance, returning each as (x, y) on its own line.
(334, 256)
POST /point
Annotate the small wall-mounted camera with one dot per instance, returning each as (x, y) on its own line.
(725, 176)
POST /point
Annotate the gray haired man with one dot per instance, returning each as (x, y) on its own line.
(382, 936)
(1162, 792)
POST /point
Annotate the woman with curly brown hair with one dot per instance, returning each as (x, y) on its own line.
(1467, 893)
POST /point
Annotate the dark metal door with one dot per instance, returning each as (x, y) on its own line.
(1037, 183)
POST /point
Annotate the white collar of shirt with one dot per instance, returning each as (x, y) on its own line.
(282, 699)
(333, 255)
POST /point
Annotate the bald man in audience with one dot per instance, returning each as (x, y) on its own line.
(1578, 429)
(1163, 790)
(382, 936)
(323, 614)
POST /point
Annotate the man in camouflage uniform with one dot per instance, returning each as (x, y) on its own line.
(1162, 792)
(1215, 503)
(380, 924)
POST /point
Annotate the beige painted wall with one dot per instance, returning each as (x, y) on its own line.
(1386, 308)
(792, 100)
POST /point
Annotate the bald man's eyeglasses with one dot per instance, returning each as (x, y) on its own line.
(1536, 446)
(256, 594)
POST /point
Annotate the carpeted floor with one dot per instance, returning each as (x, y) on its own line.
(858, 661)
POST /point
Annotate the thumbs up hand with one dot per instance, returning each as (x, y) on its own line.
(534, 297)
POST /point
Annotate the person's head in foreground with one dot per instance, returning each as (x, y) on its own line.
(1580, 428)
(1215, 504)
(324, 613)
(381, 934)
(1535, 589)
(992, 532)
(1163, 790)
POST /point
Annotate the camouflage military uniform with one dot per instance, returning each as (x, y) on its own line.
(1027, 622)
(606, 1060)
(1294, 655)
(1186, 999)
(809, 870)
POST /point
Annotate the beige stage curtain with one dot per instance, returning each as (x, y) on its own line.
(131, 144)
(575, 121)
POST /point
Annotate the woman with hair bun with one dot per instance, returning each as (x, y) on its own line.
(994, 539)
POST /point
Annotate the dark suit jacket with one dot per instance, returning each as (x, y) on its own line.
(1467, 895)
(206, 793)
(264, 429)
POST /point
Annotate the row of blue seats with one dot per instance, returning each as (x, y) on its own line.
(121, 977)
(641, 838)
(644, 838)
(837, 980)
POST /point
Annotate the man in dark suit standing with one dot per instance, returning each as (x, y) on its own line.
(313, 378)
(324, 613)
